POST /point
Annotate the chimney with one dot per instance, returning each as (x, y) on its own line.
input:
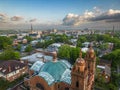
(9, 68)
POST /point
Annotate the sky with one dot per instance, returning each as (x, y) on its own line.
(60, 14)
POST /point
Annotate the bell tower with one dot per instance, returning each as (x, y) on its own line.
(90, 65)
(79, 74)
(90, 59)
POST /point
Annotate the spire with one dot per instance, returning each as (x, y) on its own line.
(31, 28)
(54, 56)
(80, 54)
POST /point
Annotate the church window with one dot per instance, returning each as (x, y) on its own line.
(66, 88)
(38, 85)
(77, 84)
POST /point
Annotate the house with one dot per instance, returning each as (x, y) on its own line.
(12, 69)
(36, 57)
(54, 47)
(105, 69)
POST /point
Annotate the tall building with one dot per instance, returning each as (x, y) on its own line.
(31, 29)
(59, 75)
(83, 72)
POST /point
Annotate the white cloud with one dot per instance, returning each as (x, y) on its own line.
(4, 18)
(91, 16)
(33, 20)
(17, 18)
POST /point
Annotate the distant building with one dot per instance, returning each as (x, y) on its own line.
(24, 41)
(54, 47)
(34, 34)
(11, 70)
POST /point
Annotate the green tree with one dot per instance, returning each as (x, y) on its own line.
(69, 53)
(4, 41)
(40, 45)
(115, 57)
(9, 54)
(28, 48)
(18, 48)
(29, 39)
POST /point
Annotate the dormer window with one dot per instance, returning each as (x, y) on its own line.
(15, 67)
(4, 70)
(18, 66)
(0, 68)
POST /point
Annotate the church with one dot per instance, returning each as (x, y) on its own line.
(60, 75)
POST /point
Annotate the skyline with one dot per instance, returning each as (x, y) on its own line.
(61, 14)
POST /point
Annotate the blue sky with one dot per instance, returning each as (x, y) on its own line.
(53, 11)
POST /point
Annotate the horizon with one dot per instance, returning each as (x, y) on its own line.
(59, 14)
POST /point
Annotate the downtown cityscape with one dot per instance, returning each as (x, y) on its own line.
(59, 45)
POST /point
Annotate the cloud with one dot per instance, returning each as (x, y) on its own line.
(92, 16)
(3, 18)
(109, 16)
(33, 20)
(16, 18)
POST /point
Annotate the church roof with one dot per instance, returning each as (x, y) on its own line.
(36, 66)
(52, 72)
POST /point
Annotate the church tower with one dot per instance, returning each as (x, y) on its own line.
(79, 74)
(90, 65)
(90, 60)
(82, 74)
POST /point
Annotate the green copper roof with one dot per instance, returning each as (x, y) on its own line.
(48, 78)
(66, 76)
(52, 72)
(55, 69)
(36, 66)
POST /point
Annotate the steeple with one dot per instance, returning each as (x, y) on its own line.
(79, 74)
(113, 29)
(31, 28)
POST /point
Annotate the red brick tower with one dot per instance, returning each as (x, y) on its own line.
(79, 74)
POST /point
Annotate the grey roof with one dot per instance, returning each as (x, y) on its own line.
(10, 66)
(37, 57)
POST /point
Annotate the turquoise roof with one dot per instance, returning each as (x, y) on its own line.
(66, 76)
(36, 66)
(55, 69)
(66, 62)
(52, 72)
(48, 78)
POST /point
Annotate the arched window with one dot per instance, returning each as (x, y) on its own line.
(88, 65)
(77, 84)
(38, 85)
(66, 88)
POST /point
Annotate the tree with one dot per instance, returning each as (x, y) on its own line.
(69, 53)
(29, 39)
(28, 48)
(40, 45)
(115, 57)
(18, 48)
(4, 41)
(9, 54)
(104, 46)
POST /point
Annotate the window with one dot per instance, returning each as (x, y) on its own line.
(88, 66)
(38, 85)
(77, 84)
(66, 88)
(58, 86)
